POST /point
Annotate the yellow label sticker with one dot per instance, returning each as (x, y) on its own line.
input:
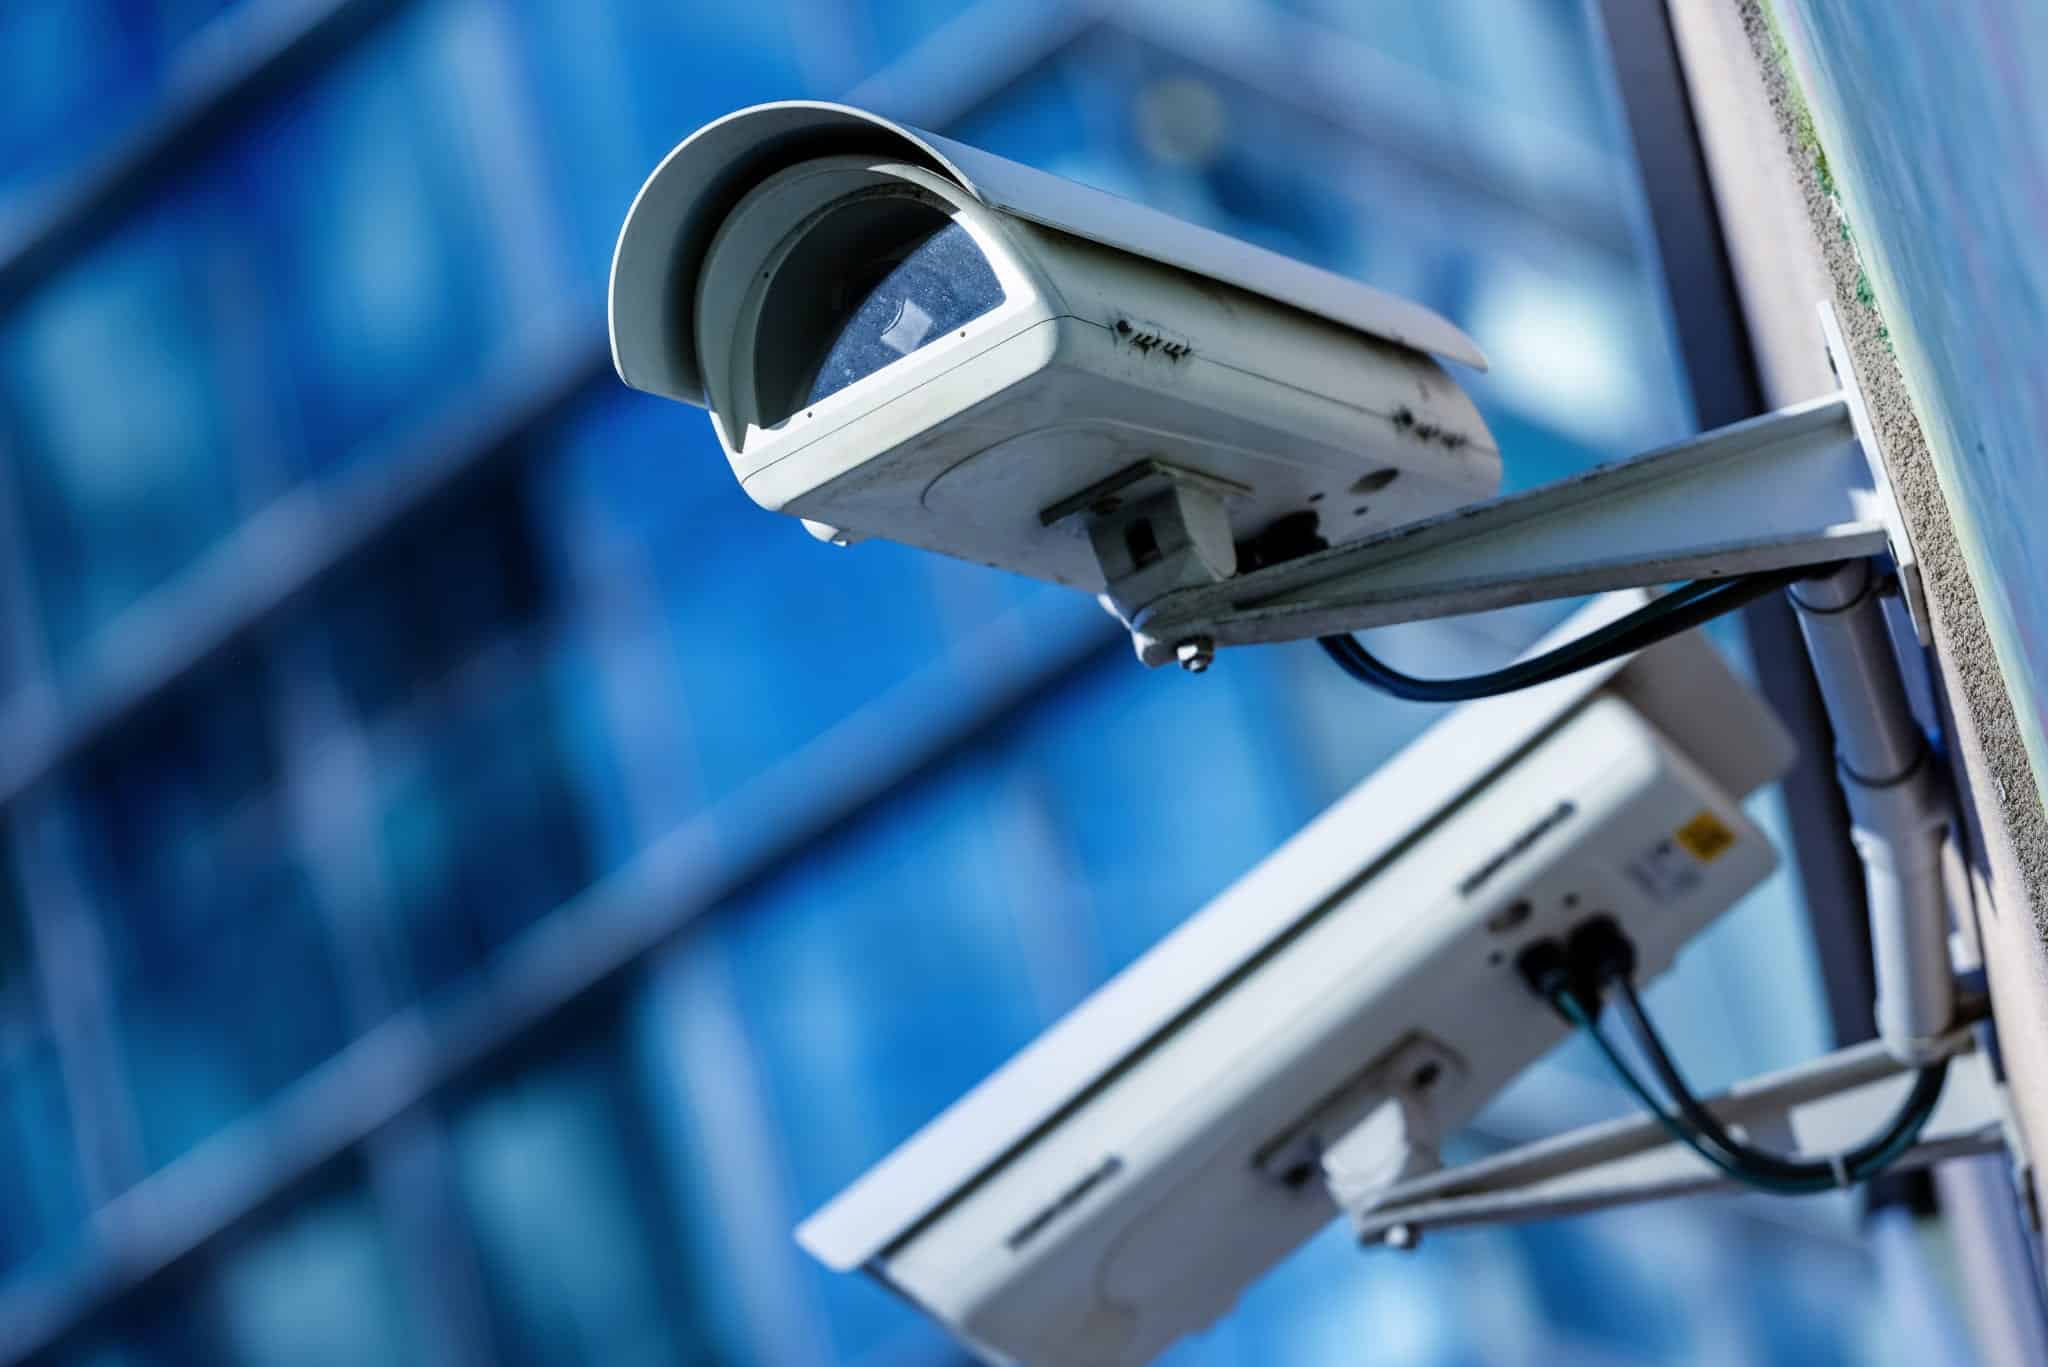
(1706, 837)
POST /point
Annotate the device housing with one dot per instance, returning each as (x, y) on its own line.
(1125, 341)
(1118, 1183)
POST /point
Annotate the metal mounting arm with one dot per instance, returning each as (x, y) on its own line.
(1801, 486)
(1826, 1105)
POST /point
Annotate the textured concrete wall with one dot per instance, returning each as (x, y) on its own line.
(1913, 138)
(1930, 139)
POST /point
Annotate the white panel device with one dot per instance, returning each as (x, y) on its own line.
(1308, 1037)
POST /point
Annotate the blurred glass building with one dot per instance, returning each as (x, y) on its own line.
(470, 881)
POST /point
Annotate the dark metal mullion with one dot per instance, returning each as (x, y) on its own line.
(1652, 102)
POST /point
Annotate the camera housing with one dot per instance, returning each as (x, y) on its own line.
(901, 337)
(1305, 1042)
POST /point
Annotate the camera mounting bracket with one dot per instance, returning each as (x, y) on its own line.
(1154, 528)
(1801, 486)
(1825, 1104)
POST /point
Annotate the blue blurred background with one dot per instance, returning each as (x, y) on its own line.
(470, 882)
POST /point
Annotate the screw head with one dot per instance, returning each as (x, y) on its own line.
(1195, 653)
(1403, 1237)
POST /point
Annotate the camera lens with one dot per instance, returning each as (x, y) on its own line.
(869, 282)
(923, 291)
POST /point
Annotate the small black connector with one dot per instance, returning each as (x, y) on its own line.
(1547, 970)
(1287, 538)
(1599, 952)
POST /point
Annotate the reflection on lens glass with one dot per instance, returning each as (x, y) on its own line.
(939, 284)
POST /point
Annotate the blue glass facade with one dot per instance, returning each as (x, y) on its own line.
(470, 881)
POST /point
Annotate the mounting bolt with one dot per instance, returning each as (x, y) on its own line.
(1195, 653)
(1403, 1237)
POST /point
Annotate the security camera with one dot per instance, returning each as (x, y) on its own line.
(1307, 1040)
(901, 337)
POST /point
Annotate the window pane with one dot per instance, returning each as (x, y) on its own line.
(111, 384)
(366, 207)
(1161, 796)
(1531, 61)
(75, 75)
(450, 657)
(440, 594)
(566, 1215)
(688, 64)
(822, 1021)
(42, 1203)
(314, 1287)
(479, 824)
(221, 967)
(42, 1208)
(766, 636)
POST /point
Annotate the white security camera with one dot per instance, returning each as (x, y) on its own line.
(1303, 1043)
(901, 337)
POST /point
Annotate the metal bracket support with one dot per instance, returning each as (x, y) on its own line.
(1154, 528)
(1904, 557)
(1828, 1105)
(1801, 486)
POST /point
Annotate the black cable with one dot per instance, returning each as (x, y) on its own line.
(1569, 1006)
(1704, 1121)
(1857, 1164)
(1894, 1142)
(1688, 606)
(1598, 959)
(1547, 967)
(1681, 610)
